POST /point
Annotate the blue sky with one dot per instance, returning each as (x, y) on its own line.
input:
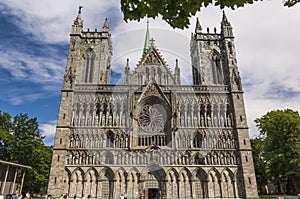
(34, 38)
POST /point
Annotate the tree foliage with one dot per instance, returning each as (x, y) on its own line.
(22, 143)
(260, 165)
(177, 13)
(279, 146)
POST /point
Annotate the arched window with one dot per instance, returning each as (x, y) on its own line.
(89, 67)
(217, 68)
(110, 139)
(197, 140)
(109, 158)
(199, 159)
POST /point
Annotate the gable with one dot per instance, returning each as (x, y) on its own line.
(153, 89)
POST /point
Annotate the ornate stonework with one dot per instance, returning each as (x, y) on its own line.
(152, 135)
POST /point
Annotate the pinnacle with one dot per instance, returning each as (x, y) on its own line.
(105, 27)
(224, 19)
(198, 26)
(177, 66)
(127, 63)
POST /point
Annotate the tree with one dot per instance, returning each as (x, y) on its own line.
(22, 143)
(280, 134)
(177, 12)
(260, 166)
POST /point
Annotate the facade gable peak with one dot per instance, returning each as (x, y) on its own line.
(152, 56)
(153, 89)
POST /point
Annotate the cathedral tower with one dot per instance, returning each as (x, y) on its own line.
(214, 63)
(151, 135)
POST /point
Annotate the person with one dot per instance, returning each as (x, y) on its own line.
(125, 195)
(121, 197)
(89, 196)
(141, 196)
(14, 196)
(20, 196)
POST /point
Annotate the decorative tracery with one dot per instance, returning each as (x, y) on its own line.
(151, 119)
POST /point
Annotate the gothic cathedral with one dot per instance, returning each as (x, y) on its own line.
(152, 137)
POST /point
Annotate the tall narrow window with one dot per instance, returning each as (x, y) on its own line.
(110, 140)
(89, 70)
(217, 68)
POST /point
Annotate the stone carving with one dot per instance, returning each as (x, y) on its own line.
(151, 119)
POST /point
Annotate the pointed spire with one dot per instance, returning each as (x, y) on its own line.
(198, 28)
(177, 73)
(127, 65)
(147, 40)
(225, 20)
(176, 66)
(78, 23)
(127, 72)
(78, 18)
(105, 27)
(226, 29)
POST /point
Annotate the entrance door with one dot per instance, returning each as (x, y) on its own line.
(153, 194)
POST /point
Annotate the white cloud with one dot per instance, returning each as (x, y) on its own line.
(24, 66)
(20, 99)
(48, 129)
(50, 21)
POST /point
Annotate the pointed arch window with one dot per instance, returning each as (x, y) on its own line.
(217, 68)
(110, 139)
(90, 62)
(197, 142)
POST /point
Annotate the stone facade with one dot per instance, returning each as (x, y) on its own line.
(152, 135)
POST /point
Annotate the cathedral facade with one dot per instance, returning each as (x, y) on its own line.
(152, 137)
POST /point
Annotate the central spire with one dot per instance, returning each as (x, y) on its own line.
(147, 40)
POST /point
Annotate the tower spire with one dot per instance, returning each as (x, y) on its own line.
(147, 40)
(226, 29)
(198, 28)
(225, 20)
(78, 23)
(105, 27)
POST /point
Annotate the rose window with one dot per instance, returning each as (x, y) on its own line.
(152, 118)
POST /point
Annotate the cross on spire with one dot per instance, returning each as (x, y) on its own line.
(152, 41)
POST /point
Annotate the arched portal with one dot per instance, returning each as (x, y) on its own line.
(106, 184)
(200, 187)
(153, 181)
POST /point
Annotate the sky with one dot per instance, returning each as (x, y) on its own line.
(34, 42)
